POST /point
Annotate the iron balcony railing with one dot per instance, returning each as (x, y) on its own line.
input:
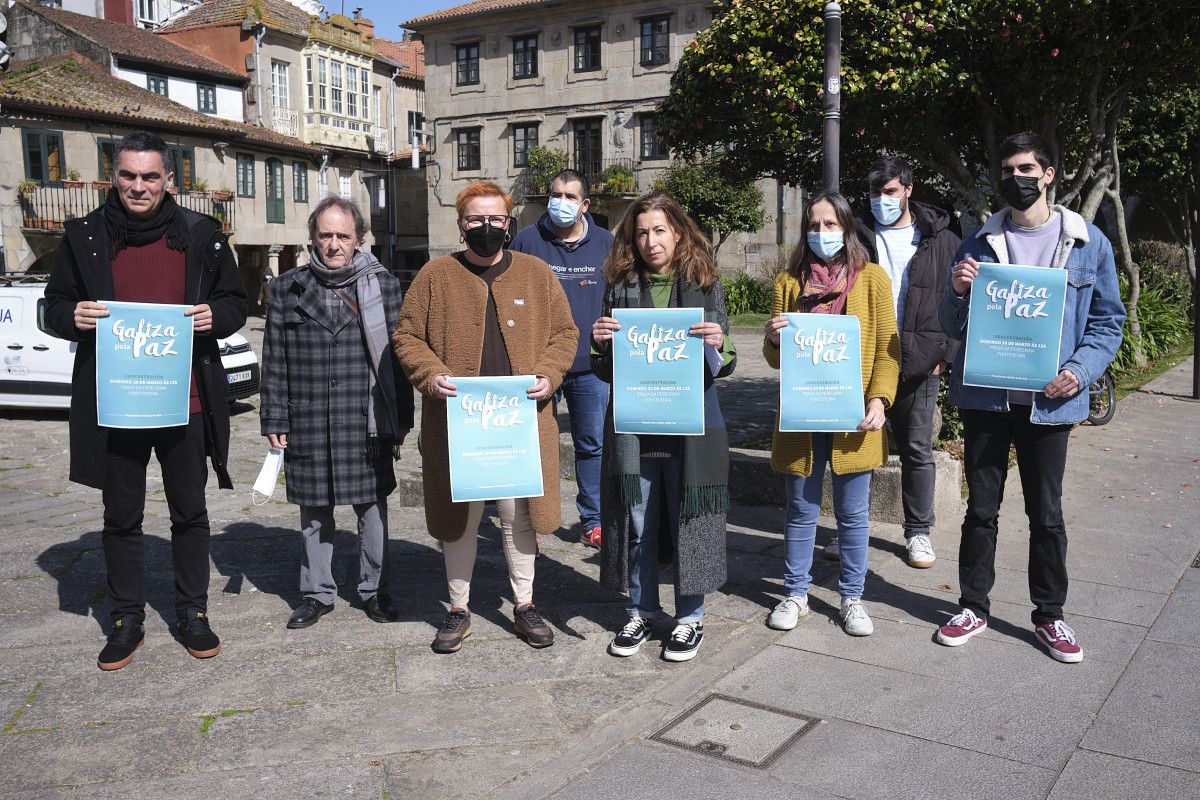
(611, 176)
(47, 208)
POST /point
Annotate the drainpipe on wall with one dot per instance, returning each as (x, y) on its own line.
(260, 31)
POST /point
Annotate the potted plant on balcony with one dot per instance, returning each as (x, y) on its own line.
(199, 186)
(73, 181)
(222, 195)
(618, 179)
(26, 188)
(543, 163)
(102, 186)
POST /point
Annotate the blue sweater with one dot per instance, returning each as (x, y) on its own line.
(577, 265)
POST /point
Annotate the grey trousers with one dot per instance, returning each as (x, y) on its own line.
(911, 418)
(316, 567)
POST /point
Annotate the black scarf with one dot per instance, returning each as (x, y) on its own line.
(124, 230)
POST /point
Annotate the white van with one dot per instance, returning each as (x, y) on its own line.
(37, 364)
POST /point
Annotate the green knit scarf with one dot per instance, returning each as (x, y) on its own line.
(705, 458)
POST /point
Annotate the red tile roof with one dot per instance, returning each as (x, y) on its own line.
(470, 10)
(277, 14)
(408, 55)
(135, 44)
(73, 86)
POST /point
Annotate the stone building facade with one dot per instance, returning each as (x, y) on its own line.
(583, 78)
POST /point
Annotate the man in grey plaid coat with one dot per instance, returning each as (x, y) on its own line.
(335, 400)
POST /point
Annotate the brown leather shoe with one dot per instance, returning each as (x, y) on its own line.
(531, 627)
(455, 627)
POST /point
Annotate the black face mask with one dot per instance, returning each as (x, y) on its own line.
(486, 240)
(1020, 191)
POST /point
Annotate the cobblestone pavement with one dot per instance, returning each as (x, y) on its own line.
(351, 708)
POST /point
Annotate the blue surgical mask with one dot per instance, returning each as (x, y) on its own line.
(826, 245)
(886, 209)
(563, 212)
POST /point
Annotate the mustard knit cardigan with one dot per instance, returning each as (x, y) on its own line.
(871, 301)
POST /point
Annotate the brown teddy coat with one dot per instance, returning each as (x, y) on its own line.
(441, 332)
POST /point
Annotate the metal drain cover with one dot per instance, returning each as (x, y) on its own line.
(736, 730)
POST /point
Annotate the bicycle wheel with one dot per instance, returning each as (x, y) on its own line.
(1103, 397)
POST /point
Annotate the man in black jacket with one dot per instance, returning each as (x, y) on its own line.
(913, 242)
(140, 246)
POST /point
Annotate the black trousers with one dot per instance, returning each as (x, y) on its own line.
(180, 452)
(1041, 461)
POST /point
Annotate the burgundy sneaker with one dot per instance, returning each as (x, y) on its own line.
(1059, 639)
(591, 538)
(961, 627)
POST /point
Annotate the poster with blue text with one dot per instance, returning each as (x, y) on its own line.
(493, 430)
(143, 365)
(658, 371)
(820, 374)
(1014, 327)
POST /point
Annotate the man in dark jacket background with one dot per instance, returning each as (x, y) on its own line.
(914, 244)
(140, 246)
(569, 240)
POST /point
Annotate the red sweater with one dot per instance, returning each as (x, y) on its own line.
(153, 273)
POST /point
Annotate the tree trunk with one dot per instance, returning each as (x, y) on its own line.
(1125, 257)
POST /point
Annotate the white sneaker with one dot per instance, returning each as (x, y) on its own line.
(920, 552)
(831, 550)
(788, 612)
(854, 617)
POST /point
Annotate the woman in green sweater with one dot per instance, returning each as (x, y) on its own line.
(672, 489)
(830, 274)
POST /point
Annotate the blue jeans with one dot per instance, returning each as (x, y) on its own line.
(587, 402)
(851, 497)
(662, 489)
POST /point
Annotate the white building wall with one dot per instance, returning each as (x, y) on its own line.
(183, 91)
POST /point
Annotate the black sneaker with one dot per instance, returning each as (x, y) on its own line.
(127, 635)
(196, 635)
(455, 627)
(630, 638)
(684, 641)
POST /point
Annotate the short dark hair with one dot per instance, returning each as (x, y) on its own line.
(348, 206)
(887, 168)
(1026, 142)
(144, 142)
(570, 176)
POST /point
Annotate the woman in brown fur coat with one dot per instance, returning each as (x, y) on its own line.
(486, 311)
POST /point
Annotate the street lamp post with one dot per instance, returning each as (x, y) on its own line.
(833, 94)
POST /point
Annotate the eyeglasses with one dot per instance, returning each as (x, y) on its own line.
(495, 220)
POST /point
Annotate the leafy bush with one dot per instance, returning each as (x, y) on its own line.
(744, 295)
(952, 425)
(1164, 320)
(543, 164)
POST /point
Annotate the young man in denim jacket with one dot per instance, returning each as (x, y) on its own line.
(1031, 232)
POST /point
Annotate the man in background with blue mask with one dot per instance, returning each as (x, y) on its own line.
(914, 244)
(569, 240)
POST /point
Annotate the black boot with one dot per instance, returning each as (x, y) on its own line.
(127, 635)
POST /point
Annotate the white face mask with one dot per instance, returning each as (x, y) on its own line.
(268, 476)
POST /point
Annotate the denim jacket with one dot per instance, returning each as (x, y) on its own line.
(1092, 320)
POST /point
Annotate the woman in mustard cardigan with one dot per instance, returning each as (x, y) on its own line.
(830, 274)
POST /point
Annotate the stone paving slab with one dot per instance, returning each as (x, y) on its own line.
(1152, 713)
(1179, 621)
(865, 763)
(1097, 776)
(655, 771)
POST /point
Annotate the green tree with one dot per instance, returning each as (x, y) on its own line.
(939, 81)
(718, 205)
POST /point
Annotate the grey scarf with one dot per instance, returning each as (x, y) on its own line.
(363, 274)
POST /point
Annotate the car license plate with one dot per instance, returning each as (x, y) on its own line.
(238, 377)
